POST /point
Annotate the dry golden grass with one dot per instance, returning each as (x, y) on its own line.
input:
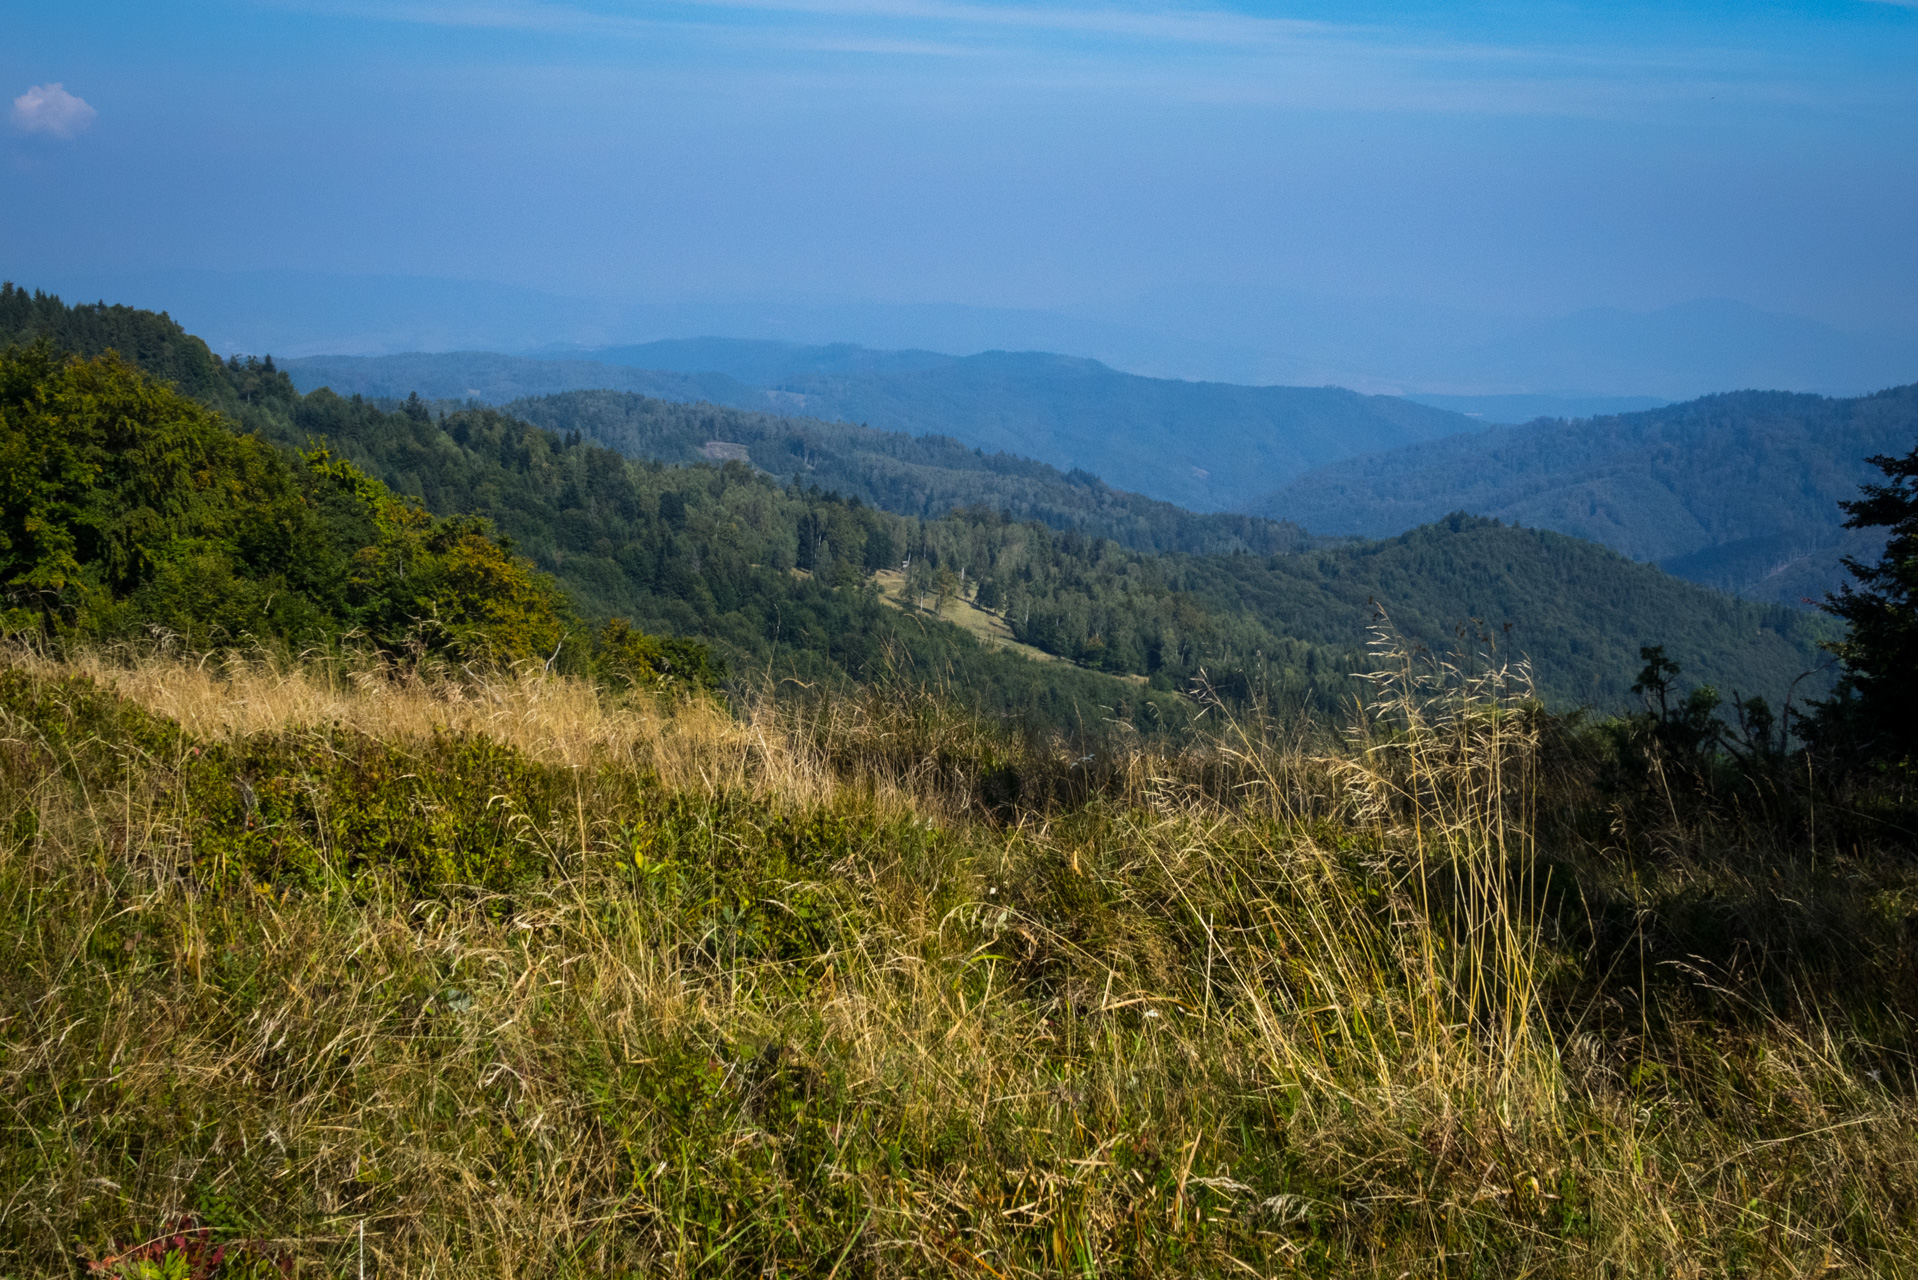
(692, 744)
(807, 1006)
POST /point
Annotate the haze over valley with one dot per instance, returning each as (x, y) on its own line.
(1737, 491)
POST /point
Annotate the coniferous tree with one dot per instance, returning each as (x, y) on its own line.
(1875, 713)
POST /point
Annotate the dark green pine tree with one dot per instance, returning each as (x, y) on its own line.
(1875, 714)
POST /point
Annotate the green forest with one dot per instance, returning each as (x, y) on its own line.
(776, 573)
(927, 475)
(1210, 446)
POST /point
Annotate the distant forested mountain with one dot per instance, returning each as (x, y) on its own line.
(1517, 410)
(760, 363)
(1208, 446)
(779, 575)
(1736, 491)
(916, 476)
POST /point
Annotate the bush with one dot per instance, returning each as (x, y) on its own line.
(622, 654)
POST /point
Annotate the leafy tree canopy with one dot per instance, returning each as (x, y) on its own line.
(127, 508)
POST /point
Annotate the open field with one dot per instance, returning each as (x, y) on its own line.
(984, 625)
(512, 976)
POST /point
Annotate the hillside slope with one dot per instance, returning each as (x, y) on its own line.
(1206, 445)
(1576, 612)
(1736, 491)
(775, 572)
(1209, 446)
(924, 476)
(535, 981)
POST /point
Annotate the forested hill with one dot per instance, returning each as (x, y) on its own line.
(917, 476)
(1208, 446)
(1736, 491)
(1211, 446)
(782, 577)
(153, 342)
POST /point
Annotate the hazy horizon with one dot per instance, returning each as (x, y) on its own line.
(1450, 199)
(1374, 346)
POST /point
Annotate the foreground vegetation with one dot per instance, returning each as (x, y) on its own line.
(444, 974)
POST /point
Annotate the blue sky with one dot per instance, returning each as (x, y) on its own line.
(1525, 158)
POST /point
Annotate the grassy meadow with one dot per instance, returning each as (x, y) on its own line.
(321, 970)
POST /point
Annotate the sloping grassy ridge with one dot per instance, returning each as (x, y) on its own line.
(517, 977)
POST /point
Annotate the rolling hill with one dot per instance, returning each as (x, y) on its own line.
(925, 476)
(492, 378)
(1207, 446)
(1737, 491)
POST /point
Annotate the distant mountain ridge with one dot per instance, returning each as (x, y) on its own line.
(759, 363)
(1517, 410)
(1738, 491)
(1208, 446)
(492, 378)
(1243, 332)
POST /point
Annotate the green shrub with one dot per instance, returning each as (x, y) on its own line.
(621, 653)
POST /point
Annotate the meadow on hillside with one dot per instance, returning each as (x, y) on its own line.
(317, 965)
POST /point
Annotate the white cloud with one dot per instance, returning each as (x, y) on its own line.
(49, 108)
